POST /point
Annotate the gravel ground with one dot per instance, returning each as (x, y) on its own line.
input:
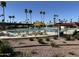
(39, 50)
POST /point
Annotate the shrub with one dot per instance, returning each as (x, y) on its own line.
(53, 44)
(76, 35)
(18, 54)
(28, 55)
(69, 38)
(31, 39)
(61, 33)
(34, 52)
(47, 39)
(55, 38)
(21, 43)
(75, 32)
(6, 49)
(71, 53)
(64, 42)
(41, 41)
(59, 55)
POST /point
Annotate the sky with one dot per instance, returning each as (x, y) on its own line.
(65, 9)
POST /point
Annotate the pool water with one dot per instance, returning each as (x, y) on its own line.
(49, 29)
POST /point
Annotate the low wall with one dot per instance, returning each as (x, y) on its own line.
(4, 26)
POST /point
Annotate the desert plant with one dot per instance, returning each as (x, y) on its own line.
(64, 42)
(76, 36)
(53, 44)
(59, 55)
(6, 49)
(47, 39)
(21, 43)
(55, 38)
(69, 38)
(34, 52)
(18, 54)
(31, 39)
(41, 41)
(75, 32)
(28, 55)
(71, 53)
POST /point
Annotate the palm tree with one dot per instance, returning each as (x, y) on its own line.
(26, 11)
(30, 12)
(3, 5)
(70, 20)
(41, 14)
(64, 20)
(59, 20)
(50, 21)
(13, 17)
(55, 17)
(1, 15)
(7, 21)
(78, 19)
(54, 20)
(10, 18)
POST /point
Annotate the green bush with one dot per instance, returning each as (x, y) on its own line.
(76, 35)
(6, 49)
(70, 38)
(75, 32)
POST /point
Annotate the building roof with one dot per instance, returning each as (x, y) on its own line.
(68, 24)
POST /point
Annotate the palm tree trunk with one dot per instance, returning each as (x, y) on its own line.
(3, 14)
(10, 20)
(54, 21)
(26, 18)
(30, 18)
(58, 31)
(41, 16)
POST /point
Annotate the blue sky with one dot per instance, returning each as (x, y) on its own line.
(67, 10)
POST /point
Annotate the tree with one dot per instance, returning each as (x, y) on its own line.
(54, 20)
(59, 20)
(10, 18)
(13, 17)
(70, 20)
(65, 20)
(50, 21)
(26, 11)
(41, 14)
(55, 17)
(78, 19)
(3, 5)
(30, 12)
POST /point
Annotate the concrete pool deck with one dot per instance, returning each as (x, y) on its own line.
(38, 36)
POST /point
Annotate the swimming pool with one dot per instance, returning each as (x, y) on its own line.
(49, 29)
